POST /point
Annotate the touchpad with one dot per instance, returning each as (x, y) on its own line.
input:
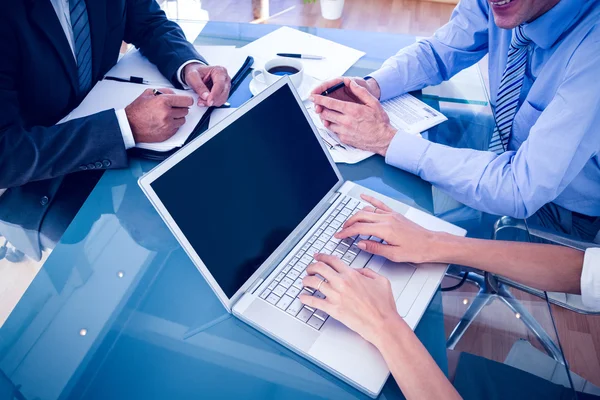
(399, 274)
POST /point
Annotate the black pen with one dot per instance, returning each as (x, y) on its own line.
(337, 87)
(157, 92)
(132, 79)
(304, 56)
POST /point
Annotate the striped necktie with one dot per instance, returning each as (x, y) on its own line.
(510, 90)
(82, 44)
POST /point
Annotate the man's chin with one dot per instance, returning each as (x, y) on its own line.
(507, 13)
(505, 22)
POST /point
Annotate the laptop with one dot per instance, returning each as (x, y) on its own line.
(251, 200)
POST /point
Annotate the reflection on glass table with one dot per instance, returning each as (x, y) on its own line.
(119, 311)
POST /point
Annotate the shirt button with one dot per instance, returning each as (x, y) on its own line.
(91, 166)
(44, 200)
(82, 167)
(106, 163)
(98, 164)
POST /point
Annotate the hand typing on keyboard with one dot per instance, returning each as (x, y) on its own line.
(359, 298)
(404, 241)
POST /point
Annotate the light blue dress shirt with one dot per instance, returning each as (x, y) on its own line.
(553, 152)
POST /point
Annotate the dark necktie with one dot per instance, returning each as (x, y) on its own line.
(82, 44)
(510, 90)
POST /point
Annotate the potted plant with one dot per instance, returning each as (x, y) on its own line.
(330, 9)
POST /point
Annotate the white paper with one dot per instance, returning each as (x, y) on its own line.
(218, 115)
(338, 58)
(340, 152)
(108, 95)
(226, 56)
(135, 64)
(411, 115)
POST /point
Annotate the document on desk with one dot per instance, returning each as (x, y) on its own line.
(110, 94)
(135, 64)
(411, 115)
(340, 152)
(406, 113)
(338, 58)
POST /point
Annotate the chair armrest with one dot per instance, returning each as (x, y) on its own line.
(541, 233)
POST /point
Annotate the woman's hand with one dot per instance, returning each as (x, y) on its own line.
(406, 241)
(360, 299)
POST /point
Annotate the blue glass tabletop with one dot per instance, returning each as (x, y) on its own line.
(119, 311)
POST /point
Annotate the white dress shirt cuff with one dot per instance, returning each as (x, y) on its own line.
(406, 151)
(590, 279)
(387, 78)
(180, 78)
(125, 129)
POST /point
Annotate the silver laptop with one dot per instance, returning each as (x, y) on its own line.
(251, 200)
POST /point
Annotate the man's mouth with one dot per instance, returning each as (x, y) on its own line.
(500, 3)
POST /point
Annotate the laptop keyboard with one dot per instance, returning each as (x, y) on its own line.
(283, 292)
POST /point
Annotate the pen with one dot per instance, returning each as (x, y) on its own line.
(132, 79)
(304, 56)
(337, 87)
(157, 92)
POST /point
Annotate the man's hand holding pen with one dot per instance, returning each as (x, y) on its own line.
(354, 113)
(156, 115)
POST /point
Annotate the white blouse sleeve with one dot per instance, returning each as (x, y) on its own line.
(590, 278)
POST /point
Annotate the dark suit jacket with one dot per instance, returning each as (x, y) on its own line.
(38, 87)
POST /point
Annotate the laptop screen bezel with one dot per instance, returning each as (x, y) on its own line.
(145, 182)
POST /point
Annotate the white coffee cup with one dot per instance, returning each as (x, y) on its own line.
(278, 67)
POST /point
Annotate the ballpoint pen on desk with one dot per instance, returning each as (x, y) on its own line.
(132, 79)
(303, 56)
(157, 92)
(337, 87)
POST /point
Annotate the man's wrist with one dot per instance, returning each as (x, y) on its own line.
(390, 133)
(181, 72)
(125, 127)
(374, 88)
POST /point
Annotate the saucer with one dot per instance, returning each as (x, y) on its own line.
(307, 85)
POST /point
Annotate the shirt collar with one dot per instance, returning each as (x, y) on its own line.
(545, 30)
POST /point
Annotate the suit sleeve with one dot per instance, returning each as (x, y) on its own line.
(31, 153)
(160, 40)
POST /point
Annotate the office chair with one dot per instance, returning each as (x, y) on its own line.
(10, 254)
(493, 287)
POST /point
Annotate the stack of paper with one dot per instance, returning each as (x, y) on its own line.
(135, 64)
(338, 58)
(108, 95)
(340, 152)
(411, 115)
(406, 113)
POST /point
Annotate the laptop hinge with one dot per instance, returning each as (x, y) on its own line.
(259, 281)
(334, 197)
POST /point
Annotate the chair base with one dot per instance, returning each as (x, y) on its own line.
(491, 289)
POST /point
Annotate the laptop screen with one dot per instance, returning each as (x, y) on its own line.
(238, 196)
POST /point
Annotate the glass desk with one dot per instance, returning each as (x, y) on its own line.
(118, 311)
